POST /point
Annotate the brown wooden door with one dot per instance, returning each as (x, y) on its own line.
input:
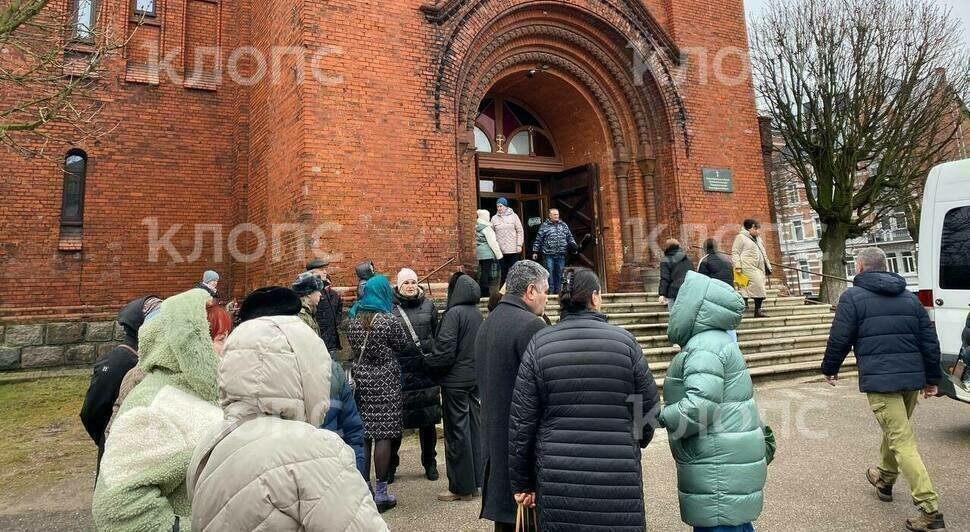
(574, 192)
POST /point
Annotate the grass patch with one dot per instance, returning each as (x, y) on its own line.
(43, 439)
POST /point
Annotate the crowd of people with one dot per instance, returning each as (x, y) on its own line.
(242, 418)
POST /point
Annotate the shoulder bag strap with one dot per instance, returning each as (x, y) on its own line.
(407, 323)
(222, 435)
(128, 347)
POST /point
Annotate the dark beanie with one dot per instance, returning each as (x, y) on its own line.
(307, 283)
(269, 301)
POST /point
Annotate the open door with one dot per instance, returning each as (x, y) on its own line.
(574, 192)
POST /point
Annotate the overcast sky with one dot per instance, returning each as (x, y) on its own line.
(961, 10)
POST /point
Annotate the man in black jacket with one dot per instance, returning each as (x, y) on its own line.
(898, 354)
(330, 308)
(453, 356)
(501, 342)
(673, 271)
(110, 369)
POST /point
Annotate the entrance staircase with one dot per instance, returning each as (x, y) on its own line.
(788, 344)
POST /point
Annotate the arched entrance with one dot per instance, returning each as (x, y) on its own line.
(571, 66)
(520, 159)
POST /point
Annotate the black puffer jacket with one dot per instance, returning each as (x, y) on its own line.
(108, 372)
(895, 343)
(715, 267)
(329, 315)
(673, 271)
(422, 398)
(571, 430)
(454, 347)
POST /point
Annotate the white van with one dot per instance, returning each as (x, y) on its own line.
(944, 261)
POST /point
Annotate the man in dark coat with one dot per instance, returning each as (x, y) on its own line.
(673, 271)
(454, 357)
(898, 355)
(714, 265)
(499, 346)
(110, 368)
(329, 312)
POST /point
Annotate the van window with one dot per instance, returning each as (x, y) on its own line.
(955, 250)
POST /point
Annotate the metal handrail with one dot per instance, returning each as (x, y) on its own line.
(434, 271)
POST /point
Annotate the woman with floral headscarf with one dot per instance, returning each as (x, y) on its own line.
(375, 335)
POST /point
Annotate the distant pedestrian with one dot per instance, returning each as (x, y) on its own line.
(712, 421)
(488, 252)
(898, 355)
(309, 288)
(454, 357)
(510, 235)
(330, 309)
(750, 258)
(673, 271)
(714, 265)
(575, 430)
(267, 466)
(421, 395)
(375, 335)
(210, 283)
(142, 480)
(110, 370)
(553, 241)
(501, 341)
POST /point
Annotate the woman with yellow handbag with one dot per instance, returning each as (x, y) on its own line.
(751, 266)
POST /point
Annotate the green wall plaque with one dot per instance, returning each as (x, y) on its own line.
(718, 179)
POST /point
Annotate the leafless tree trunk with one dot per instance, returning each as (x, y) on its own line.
(50, 62)
(862, 93)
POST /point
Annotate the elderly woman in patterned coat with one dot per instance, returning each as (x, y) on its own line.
(375, 335)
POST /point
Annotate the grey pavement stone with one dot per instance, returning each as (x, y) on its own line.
(64, 333)
(99, 331)
(23, 335)
(42, 357)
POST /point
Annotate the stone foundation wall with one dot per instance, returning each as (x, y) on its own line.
(44, 345)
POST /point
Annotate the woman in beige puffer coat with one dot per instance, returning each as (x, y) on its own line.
(268, 466)
(751, 259)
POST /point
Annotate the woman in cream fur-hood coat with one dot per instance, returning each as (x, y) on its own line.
(268, 466)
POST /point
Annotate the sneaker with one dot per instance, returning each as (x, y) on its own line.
(883, 490)
(431, 471)
(926, 522)
(448, 496)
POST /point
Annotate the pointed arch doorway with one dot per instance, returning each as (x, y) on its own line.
(517, 157)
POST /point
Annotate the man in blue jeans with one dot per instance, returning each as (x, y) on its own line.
(553, 241)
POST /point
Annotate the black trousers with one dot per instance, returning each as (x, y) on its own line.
(506, 263)
(485, 268)
(463, 443)
(428, 436)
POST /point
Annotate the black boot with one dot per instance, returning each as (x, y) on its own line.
(431, 471)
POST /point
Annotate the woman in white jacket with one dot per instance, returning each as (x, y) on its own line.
(488, 252)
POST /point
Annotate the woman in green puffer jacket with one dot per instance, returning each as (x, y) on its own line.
(711, 418)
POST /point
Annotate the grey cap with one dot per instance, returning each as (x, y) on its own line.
(209, 276)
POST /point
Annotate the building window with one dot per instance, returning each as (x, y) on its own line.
(909, 262)
(481, 141)
(792, 193)
(506, 127)
(892, 262)
(797, 230)
(83, 26)
(144, 7)
(850, 267)
(817, 226)
(519, 144)
(805, 272)
(72, 197)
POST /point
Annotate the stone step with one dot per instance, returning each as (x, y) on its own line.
(654, 329)
(757, 360)
(654, 306)
(627, 297)
(633, 318)
(659, 354)
(811, 368)
(660, 340)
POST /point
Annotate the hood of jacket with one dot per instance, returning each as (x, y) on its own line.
(131, 318)
(466, 292)
(364, 270)
(703, 305)
(483, 217)
(885, 283)
(675, 254)
(275, 366)
(177, 342)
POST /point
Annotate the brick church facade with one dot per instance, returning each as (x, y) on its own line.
(402, 119)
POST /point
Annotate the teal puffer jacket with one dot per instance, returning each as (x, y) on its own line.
(712, 421)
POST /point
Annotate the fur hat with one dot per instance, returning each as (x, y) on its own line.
(307, 283)
(270, 301)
